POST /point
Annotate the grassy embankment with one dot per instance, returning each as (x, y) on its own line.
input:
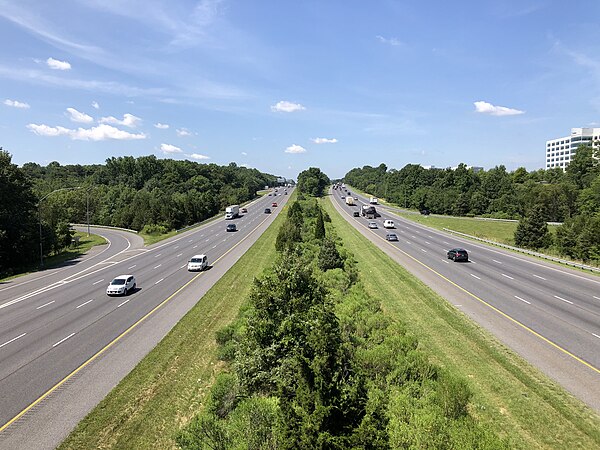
(511, 396)
(167, 388)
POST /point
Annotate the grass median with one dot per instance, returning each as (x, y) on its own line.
(509, 395)
(167, 388)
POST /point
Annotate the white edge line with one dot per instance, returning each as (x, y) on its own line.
(12, 340)
(63, 339)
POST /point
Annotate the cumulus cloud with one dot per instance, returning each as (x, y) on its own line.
(161, 126)
(183, 132)
(100, 133)
(197, 156)
(389, 41)
(168, 148)
(324, 141)
(129, 120)
(95, 105)
(77, 116)
(284, 106)
(244, 153)
(487, 108)
(295, 149)
(58, 65)
(16, 104)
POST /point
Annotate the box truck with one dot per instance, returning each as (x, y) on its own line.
(231, 212)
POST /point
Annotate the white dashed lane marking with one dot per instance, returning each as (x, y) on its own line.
(159, 281)
(563, 299)
(158, 255)
(537, 276)
(83, 304)
(46, 304)
(12, 340)
(158, 266)
(497, 262)
(118, 306)
(131, 267)
(475, 276)
(63, 339)
(523, 300)
(99, 281)
(507, 276)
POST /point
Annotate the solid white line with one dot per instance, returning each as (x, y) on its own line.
(592, 333)
(475, 276)
(159, 281)
(519, 298)
(158, 266)
(507, 276)
(83, 304)
(498, 262)
(564, 300)
(99, 281)
(63, 340)
(179, 255)
(12, 340)
(131, 267)
(49, 303)
(537, 276)
(123, 303)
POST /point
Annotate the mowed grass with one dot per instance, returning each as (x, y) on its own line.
(168, 387)
(509, 396)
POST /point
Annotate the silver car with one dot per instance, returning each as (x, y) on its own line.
(373, 225)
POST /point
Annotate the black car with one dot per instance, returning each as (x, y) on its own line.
(267, 210)
(391, 237)
(458, 254)
(231, 227)
(356, 214)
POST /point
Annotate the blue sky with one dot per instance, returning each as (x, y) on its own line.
(286, 85)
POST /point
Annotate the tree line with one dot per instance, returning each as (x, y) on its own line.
(313, 362)
(571, 196)
(144, 194)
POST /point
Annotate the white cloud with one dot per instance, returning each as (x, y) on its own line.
(168, 148)
(58, 65)
(129, 120)
(284, 106)
(390, 41)
(295, 149)
(244, 153)
(183, 132)
(99, 133)
(95, 105)
(487, 108)
(77, 116)
(16, 104)
(324, 141)
(161, 126)
(197, 156)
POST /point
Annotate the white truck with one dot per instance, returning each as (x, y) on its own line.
(349, 201)
(231, 212)
(373, 201)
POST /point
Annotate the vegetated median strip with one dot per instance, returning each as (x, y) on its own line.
(117, 339)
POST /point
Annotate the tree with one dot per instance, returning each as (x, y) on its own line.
(583, 167)
(320, 226)
(532, 230)
(312, 182)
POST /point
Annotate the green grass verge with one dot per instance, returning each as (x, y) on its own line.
(168, 387)
(509, 395)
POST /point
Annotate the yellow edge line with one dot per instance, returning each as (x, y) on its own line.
(525, 327)
(118, 338)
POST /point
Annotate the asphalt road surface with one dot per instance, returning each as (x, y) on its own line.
(548, 314)
(64, 343)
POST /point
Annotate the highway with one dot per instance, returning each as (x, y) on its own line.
(53, 322)
(548, 314)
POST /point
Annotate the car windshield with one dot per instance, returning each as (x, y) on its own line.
(118, 281)
(195, 260)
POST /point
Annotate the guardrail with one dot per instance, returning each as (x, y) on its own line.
(103, 226)
(528, 252)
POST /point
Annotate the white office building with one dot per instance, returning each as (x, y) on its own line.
(560, 151)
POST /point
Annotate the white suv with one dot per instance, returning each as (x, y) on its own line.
(197, 262)
(388, 224)
(121, 285)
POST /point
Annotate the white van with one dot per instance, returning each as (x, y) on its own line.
(197, 263)
(388, 224)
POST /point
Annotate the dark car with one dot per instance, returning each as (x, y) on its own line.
(356, 214)
(231, 227)
(244, 210)
(267, 210)
(391, 237)
(458, 254)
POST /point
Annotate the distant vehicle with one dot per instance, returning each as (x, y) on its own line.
(458, 254)
(356, 214)
(369, 212)
(285, 193)
(425, 212)
(343, 197)
(356, 198)
(388, 224)
(197, 263)
(244, 210)
(373, 201)
(231, 212)
(373, 225)
(231, 227)
(267, 210)
(391, 237)
(274, 205)
(349, 201)
(270, 195)
(121, 285)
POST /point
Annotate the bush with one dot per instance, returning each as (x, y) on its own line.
(154, 229)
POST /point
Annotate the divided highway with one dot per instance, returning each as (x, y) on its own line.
(548, 314)
(53, 322)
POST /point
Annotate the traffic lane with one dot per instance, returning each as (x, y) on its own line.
(581, 380)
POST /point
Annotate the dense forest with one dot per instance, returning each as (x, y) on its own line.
(313, 362)
(145, 193)
(571, 197)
